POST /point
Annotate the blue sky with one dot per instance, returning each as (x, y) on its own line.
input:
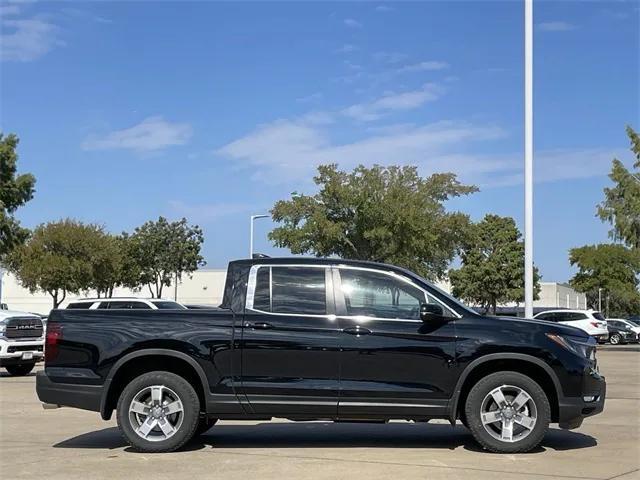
(214, 111)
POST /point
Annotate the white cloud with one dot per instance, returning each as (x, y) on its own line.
(9, 9)
(287, 150)
(312, 98)
(27, 39)
(351, 23)
(556, 26)
(391, 102)
(153, 133)
(423, 67)
(384, 8)
(389, 57)
(347, 48)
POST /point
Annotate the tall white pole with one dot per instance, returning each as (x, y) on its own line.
(528, 158)
(251, 238)
(252, 219)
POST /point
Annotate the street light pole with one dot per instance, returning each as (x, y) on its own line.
(600, 299)
(253, 217)
(528, 158)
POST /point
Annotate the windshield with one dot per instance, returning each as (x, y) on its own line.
(167, 305)
(635, 323)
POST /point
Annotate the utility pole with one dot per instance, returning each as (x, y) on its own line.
(528, 158)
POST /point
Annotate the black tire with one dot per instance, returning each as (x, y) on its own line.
(615, 339)
(481, 391)
(204, 424)
(187, 418)
(20, 370)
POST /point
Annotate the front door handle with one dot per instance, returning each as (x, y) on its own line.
(356, 330)
(258, 325)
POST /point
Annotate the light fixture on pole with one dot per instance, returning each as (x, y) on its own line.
(253, 217)
(528, 158)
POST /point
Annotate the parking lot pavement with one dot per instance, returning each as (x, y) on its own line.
(69, 443)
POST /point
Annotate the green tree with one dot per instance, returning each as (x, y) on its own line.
(384, 214)
(15, 191)
(621, 206)
(613, 268)
(111, 264)
(492, 270)
(58, 258)
(161, 252)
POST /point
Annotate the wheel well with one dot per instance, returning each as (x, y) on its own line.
(531, 370)
(150, 363)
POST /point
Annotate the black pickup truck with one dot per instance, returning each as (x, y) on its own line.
(321, 339)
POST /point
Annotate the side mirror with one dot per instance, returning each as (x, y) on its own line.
(430, 311)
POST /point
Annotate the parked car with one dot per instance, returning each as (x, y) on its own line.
(321, 339)
(125, 303)
(621, 331)
(21, 341)
(590, 321)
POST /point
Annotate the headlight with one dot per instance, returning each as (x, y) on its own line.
(2, 327)
(583, 348)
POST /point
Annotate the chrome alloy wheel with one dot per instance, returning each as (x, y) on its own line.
(156, 413)
(508, 413)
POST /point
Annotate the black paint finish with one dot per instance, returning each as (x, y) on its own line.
(252, 364)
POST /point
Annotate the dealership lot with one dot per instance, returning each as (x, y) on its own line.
(70, 443)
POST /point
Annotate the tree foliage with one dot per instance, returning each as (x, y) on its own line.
(621, 206)
(15, 191)
(612, 267)
(384, 214)
(492, 270)
(59, 258)
(162, 251)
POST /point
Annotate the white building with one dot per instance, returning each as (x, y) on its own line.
(205, 287)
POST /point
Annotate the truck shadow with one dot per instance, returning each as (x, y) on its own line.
(331, 435)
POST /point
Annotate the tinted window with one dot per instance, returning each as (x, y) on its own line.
(598, 316)
(79, 305)
(298, 290)
(552, 316)
(124, 305)
(375, 294)
(165, 305)
(262, 296)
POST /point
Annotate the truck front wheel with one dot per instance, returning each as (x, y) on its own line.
(508, 412)
(158, 412)
(20, 370)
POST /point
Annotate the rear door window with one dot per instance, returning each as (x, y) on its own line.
(79, 305)
(300, 290)
(290, 290)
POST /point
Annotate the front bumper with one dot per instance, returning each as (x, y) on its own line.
(573, 410)
(16, 352)
(85, 397)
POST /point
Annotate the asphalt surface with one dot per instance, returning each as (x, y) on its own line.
(69, 443)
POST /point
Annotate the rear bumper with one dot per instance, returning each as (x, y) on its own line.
(573, 410)
(85, 397)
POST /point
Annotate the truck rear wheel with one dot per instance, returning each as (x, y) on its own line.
(508, 412)
(158, 412)
(20, 370)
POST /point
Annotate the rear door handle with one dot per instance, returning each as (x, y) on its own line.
(258, 325)
(356, 330)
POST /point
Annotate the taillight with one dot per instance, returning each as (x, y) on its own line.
(595, 324)
(54, 335)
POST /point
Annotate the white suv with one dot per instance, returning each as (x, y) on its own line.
(126, 303)
(21, 341)
(590, 321)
